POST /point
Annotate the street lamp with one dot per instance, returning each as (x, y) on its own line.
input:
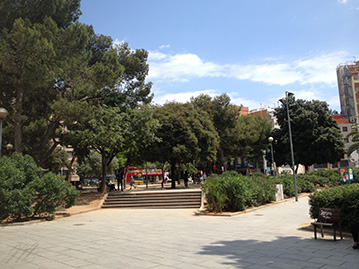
(287, 95)
(3, 114)
(270, 139)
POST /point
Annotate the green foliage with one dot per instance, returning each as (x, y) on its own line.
(52, 192)
(356, 174)
(345, 198)
(316, 135)
(216, 198)
(23, 193)
(91, 166)
(354, 135)
(239, 136)
(321, 178)
(185, 134)
(232, 192)
(287, 181)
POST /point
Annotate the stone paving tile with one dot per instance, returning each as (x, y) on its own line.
(175, 239)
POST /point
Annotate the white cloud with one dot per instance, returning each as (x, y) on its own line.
(118, 42)
(181, 97)
(183, 67)
(165, 46)
(180, 67)
(273, 74)
(342, 1)
(251, 104)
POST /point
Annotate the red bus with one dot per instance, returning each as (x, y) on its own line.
(154, 174)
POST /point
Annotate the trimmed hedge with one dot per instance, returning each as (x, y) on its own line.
(24, 193)
(345, 198)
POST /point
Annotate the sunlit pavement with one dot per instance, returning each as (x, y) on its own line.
(268, 237)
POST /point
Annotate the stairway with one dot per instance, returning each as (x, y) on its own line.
(154, 199)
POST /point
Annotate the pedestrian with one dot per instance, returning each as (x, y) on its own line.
(194, 178)
(110, 185)
(119, 181)
(132, 183)
(354, 228)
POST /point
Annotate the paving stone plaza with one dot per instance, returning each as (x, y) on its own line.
(268, 237)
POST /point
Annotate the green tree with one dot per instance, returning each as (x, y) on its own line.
(316, 135)
(109, 131)
(53, 68)
(91, 165)
(186, 134)
(354, 135)
(224, 116)
(251, 137)
(24, 193)
(240, 136)
(63, 12)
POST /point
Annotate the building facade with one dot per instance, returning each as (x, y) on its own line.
(348, 85)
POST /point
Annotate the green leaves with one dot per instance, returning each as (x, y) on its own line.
(23, 192)
(316, 135)
(232, 192)
(186, 134)
(343, 197)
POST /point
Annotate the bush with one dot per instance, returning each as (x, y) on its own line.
(232, 192)
(51, 192)
(345, 197)
(216, 199)
(322, 178)
(23, 193)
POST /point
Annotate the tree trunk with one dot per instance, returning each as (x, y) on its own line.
(17, 121)
(104, 173)
(223, 159)
(69, 169)
(173, 175)
(40, 156)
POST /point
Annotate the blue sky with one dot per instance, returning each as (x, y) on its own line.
(253, 50)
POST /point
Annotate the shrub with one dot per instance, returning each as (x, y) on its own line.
(23, 193)
(15, 193)
(51, 192)
(232, 192)
(216, 199)
(321, 178)
(345, 197)
(303, 185)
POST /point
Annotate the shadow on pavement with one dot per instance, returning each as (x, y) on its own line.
(285, 252)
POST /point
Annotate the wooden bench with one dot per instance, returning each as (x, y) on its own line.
(328, 217)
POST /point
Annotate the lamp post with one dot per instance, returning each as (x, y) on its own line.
(270, 139)
(287, 95)
(3, 114)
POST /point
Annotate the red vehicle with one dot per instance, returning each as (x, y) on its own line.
(154, 174)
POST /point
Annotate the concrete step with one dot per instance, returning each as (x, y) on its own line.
(154, 199)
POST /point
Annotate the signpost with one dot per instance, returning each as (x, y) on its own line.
(345, 175)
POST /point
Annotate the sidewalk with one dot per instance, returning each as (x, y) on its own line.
(268, 237)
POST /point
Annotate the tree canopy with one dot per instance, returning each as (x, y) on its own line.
(186, 134)
(315, 134)
(239, 136)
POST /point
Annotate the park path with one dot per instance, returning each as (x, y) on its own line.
(267, 237)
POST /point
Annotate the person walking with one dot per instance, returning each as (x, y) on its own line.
(354, 228)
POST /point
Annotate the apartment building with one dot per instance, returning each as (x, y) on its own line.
(348, 85)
